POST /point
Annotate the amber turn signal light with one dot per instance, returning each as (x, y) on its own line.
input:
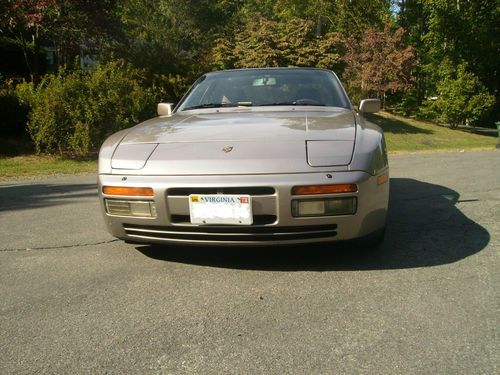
(383, 178)
(324, 189)
(129, 191)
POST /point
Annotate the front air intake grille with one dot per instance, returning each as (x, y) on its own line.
(250, 190)
(220, 234)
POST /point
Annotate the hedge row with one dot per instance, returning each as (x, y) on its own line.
(73, 112)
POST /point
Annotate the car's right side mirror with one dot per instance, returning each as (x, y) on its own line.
(165, 109)
(369, 106)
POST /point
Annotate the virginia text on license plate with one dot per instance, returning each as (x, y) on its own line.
(220, 209)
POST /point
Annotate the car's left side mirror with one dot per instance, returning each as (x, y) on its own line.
(165, 109)
(369, 106)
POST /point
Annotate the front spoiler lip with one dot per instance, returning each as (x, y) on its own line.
(145, 240)
(220, 234)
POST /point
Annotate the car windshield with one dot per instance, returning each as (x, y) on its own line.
(266, 87)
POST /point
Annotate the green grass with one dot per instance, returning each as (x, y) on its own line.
(407, 135)
(15, 167)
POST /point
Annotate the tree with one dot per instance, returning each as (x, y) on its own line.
(69, 25)
(172, 36)
(413, 19)
(465, 31)
(262, 42)
(462, 98)
(347, 17)
(27, 22)
(88, 26)
(378, 63)
(457, 31)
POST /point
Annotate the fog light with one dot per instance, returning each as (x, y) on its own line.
(130, 208)
(324, 207)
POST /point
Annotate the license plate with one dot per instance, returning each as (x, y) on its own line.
(220, 209)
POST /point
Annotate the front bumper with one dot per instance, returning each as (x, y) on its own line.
(271, 204)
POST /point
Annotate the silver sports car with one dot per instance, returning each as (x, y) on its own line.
(252, 157)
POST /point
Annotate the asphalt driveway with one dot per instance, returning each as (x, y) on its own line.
(74, 300)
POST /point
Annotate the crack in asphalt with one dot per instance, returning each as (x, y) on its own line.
(60, 247)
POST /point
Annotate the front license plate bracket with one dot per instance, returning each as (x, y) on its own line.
(220, 209)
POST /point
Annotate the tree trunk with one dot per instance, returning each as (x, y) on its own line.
(318, 26)
(24, 47)
(36, 60)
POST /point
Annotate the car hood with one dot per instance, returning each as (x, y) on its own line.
(245, 126)
(236, 142)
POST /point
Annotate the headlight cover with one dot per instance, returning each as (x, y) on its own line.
(132, 156)
(329, 153)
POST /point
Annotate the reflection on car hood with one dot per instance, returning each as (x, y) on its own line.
(238, 143)
(248, 125)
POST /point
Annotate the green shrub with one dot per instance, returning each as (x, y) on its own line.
(406, 104)
(462, 98)
(13, 113)
(427, 111)
(72, 113)
(171, 88)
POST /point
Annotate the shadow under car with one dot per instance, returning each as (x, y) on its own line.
(424, 228)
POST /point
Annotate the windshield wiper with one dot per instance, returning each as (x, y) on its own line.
(250, 104)
(219, 105)
(298, 102)
(206, 105)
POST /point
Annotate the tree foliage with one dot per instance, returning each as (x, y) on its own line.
(172, 37)
(379, 63)
(465, 31)
(27, 22)
(264, 42)
(349, 18)
(407, 53)
(68, 25)
(73, 112)
(462, 98)
(458, 32)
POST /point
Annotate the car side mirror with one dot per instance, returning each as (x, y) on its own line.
(165, 109)
(369, 106)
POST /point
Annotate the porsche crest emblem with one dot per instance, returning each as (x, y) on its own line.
(227, 149)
